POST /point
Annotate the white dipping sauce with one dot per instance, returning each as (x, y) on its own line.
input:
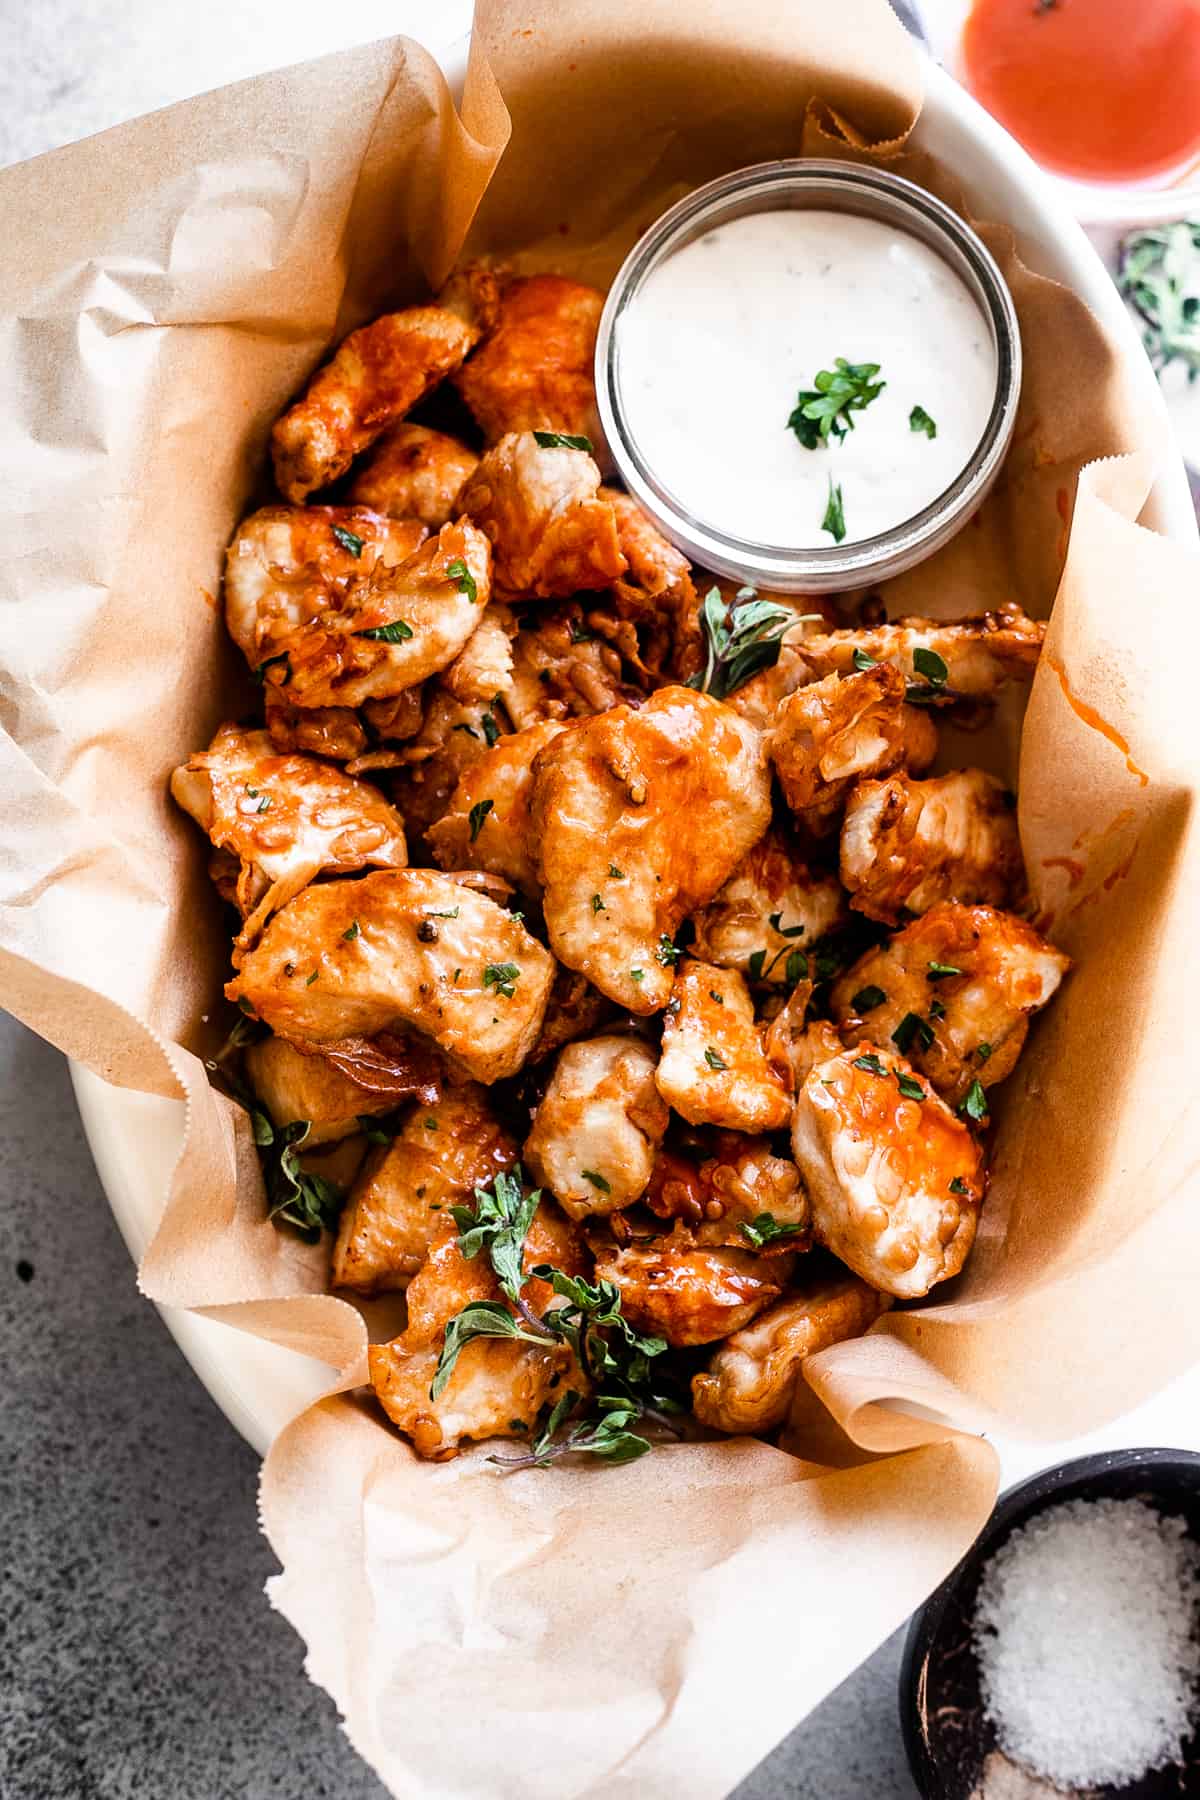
(721, 337)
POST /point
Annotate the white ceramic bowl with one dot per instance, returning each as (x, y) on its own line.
(135, 1139)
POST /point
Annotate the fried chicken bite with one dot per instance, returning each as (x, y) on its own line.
(487, 823)
(405, 1189)
(598, 1126)
(721, 1199)
(907, 844)
(772, 905)
(895, 1181)
(285, 818)
(794, 1043)
(482, 670)
(980, 653)
(749, 1384)
(333, 731)
(714, 1070)
(552, 531)
(393, 628)
(832, 732)
(498, 1385)
(656, 592)
(453, 736)
(639, 818)
(956, 989)
(414, 473)
(534, 372)
(376, 376)
(562, 670)
(293, 1086)
(403, 950)
(287, 565)
(576, 1010)
(690, 1296)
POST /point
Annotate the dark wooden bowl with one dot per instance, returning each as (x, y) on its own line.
(946, 1735)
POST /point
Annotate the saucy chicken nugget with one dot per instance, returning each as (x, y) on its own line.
(980, 653)
(576, 1010)
(487, 823)
(393, 628)
(749, 1383)
(740, 1195)
(286, 565)
(333, 731)
(769, 913)
(833, 732)
(690, 1296)
(405, 1189)
(598, 1126)
(552, 531)
(414, 473)
(285, 818)
(714, 1070)
(954, 991)
(293, 1086)
(657, 592)
(894, 1178)
(376, 376)
(404, 949)
(482, 670)
(640, 817)
(498, 1386)
(907, 844)
(428, 767)
(561, 670)
(534, 371)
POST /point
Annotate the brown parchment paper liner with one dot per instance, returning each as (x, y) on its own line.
(648, 1630)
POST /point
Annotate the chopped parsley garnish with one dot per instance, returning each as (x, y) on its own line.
(863, 662)
(668, 952)
(449, 913)
(794, 969)
(497, 1223)
(398, 632)
(312, 977)
(615, 873)
(936, 1010)
(491, 730)
(480, 1318)
(598, 905)
(775, 921)
(974, 1102)
(469, 729)
(580, 633)
(959, 1186)
(477, 815)
(867, 999)
(719, 998)
(919, 420)
(911, 1089)
(714, 1059)
(458, 572)
(431, 1124)
(264, 804)
(983, 1051)
(309, 1203)
(827, 408)
(742, 637)
(260, 673)
(348, 540)
(933, 667)
(561, 440)
(637, 974)
(938, 971)
(351, 932)
(247, 1006)
(834, 521)
(766, 1229)
(502, 977)
(597, 1181)
(871, 1063)
(912, 1027)
(1158, 276)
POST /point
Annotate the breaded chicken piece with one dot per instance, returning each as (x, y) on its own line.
(393, 1068)
(956, 990)
(292, 1086)
(656, 593)
(376, 376)
(487, 823)
(907, 844)
(598, 1126)
(576, 1010)
(980, 653)
(534, 372)
(286, 818)
(498, 1385)
(690, 1296)
(714, 1070)
(717, 1200)
(758, 699)
(639, 818)
(895, 1182)
(333, 731)
(749, 1383)
(835, 731)
(772, 905)
(414, 473)
(287, 565)
(794, 1045)
(552, 531)
(453, 736)
(405, 1189)
(482, 670)
(562, 670)
(394, 628)
(409, 949)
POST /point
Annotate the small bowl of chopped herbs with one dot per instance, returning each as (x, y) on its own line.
(1062, 1655)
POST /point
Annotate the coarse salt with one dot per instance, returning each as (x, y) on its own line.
(1085, 1631)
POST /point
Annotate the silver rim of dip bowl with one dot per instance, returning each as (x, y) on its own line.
(834, 187)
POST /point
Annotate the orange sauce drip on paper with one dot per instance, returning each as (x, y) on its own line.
(1103, 90)
(1091, 717)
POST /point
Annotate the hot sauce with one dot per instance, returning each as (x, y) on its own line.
(1102, 90)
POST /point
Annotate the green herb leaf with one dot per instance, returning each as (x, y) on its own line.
(863, 662)
(936, 1010)
(775, 921)
(598, 905)
(911, 1089)
(398, 632)
(498, 1223)
(668, 952)
(374, 1130)
(348, 541)
(308, 1203)
(714, 1059)
(919, 420)
(491, 730)
(983, 1051)
(313, 977)
(741, 640)
(959, 1186)
(481, 1318)
(938, 971)
(912, 1027)
(757, 960)
(469, 729)
(597, 1181)
(1159, 274)
(796, 967)
(615, 873)
(834, 521)
(871, 1063)
(449, 913)
(260, 673)
(458, 572)
(974, 1102)
(580, 633)
(766, 1229)
(561, 440)
(502, 977)
(351, 932)
(828, 407)
(477, 815)
(867, 999)
(931, 665)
